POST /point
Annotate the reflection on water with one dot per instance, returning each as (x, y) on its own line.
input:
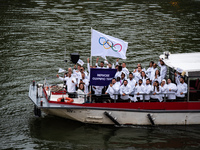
(77, 135)
(33, 37)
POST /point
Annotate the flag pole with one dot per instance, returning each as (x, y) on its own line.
(91, 65)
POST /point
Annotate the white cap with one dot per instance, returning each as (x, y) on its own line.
(179, 70)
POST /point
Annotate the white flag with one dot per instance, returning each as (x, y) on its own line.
(61, 70)
(80, 62)
(105, 45)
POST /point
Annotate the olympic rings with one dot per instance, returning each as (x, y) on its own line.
(107, 44)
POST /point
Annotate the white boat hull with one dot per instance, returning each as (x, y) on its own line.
(93, 116)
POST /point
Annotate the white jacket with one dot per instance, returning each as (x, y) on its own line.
(113, 90)
(71, 87)
(138, 89)
(163, 70)
(147, 90)
(157, 95)
(171, 94)
(182, 87)
(125, 90)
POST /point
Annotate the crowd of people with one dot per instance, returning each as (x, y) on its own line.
(127, 86)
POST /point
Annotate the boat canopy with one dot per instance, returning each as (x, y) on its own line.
(186, 62)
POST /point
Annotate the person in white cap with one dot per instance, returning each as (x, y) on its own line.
(178, 75)
(171, 90)
(181, 89)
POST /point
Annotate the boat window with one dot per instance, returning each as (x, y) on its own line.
(194, 89)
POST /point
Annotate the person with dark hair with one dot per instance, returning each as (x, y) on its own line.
(139, 90)
(181, 89)
(113, 90)
(125, 90)
(131, 81)
(101, 64)
(124, 69)
(171, 90)
(153, 70)
(148, 72)
(122, 78)
(83, 80)
(119, 72)
(143, 77)
(163, 69)
(147, 90)
(156, 90)
(157, 77)
(137, 73)
(81, 93)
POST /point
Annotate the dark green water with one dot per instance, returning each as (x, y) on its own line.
(33, 38)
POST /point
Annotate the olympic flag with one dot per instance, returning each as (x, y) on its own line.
(105, 45)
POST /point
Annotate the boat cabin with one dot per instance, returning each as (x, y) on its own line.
(188, 66)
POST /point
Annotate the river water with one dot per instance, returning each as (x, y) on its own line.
(33, 37)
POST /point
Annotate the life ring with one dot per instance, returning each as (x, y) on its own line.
(46, 88)
(67, 99)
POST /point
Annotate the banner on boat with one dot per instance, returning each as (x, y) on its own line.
(105, 45)
(101, 77)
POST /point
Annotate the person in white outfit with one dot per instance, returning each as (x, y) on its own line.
(153, 71)
(84, 81)
(163, 69)
(81, 94)
(70, 83)
(137, 73)
(113, 90)
(101, 64)
(139, 91)
(124, 69)
(181, 89)
(119, 72)
(131, 81)
(171, 90)
(148, 71)
(123, 77)
(143, 77)
(156, 90)
(177, 75)
(157, 77)
(147, 90)
(97, 97)
(125, 90)
(164, 89)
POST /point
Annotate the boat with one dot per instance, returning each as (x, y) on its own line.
(187, 112)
